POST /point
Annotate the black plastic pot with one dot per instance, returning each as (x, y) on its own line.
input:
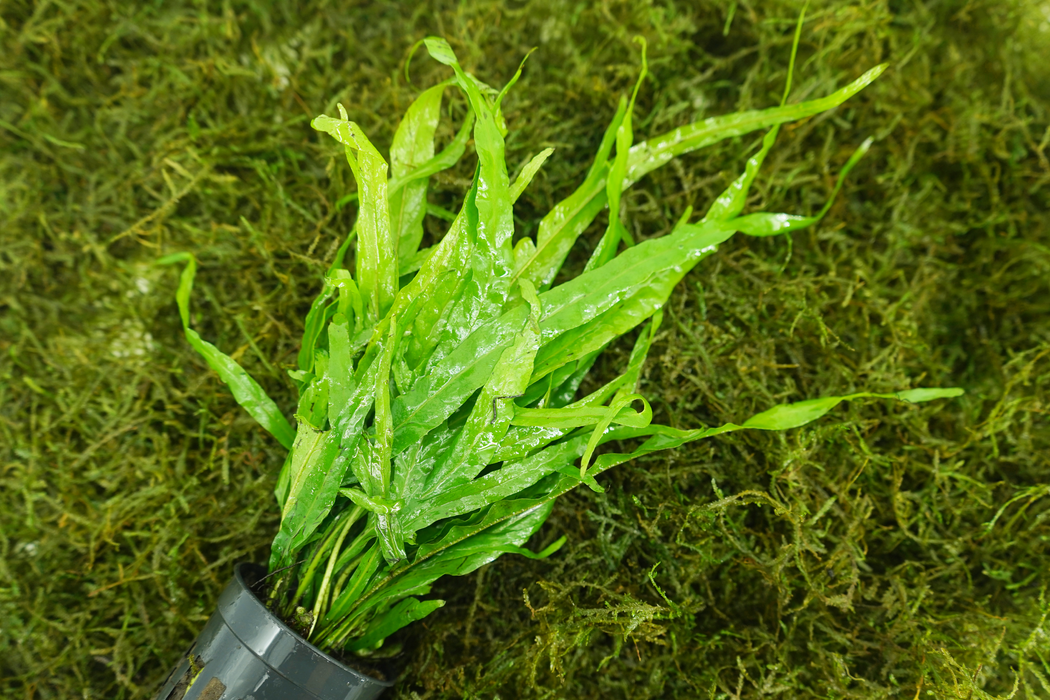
(246, 653)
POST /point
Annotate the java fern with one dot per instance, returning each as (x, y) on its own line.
(438, 416)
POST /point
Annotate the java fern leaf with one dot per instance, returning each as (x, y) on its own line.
(438, 419)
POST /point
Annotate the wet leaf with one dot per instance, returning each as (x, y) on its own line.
(244, 388)
(529, 172)
(443, 414)
(376, 266)
(403, 613)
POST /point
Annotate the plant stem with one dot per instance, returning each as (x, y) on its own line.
(315, 561)
(352, 555)
(341, 581)
(363, 574)
(322, 595)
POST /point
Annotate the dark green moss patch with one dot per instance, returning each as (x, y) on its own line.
(894, 551)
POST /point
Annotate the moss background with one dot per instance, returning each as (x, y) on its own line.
(887, 551)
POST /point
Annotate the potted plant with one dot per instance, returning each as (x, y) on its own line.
(438, 415)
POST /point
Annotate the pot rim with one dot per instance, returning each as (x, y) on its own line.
(238, 573)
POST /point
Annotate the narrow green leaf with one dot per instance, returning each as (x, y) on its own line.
(730, 203)
(627, 383)
(640, 420)
(376, 267)
(246, 391)
(625, 292)
(315, 473)
(387, 522)
(280, 489)
(494, 409)
(413, 262)
(513, 81)
(444, 160)
(350, 304)
(403, 613)
(340, 254)
(649, 155)
(313, 400)
(350, 595)
(326, 580)
(768, 224)
(413, 146)
(567, 378)
(510, 479)
(528, 172)
(349, 554)
(441, 212)
(440, 51)
(502, 529)
(492, 259)
(567, 418)
(313, 326)
(567, 220)
(615, 231)
(560, 228)
(413, 142)
(384, 427)
(921, 395)
(380, 505)
(312, 446)
(793, 415)
(409, 258)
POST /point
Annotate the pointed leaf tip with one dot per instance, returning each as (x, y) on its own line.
(920, 395)
(870, 76)
(440, 51)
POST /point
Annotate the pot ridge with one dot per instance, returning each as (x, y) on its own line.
(245, 652)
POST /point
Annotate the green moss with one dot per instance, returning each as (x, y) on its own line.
(898, 551)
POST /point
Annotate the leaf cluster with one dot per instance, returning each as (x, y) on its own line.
(438, 418)
(131, 482)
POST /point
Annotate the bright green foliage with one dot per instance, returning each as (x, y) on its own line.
(245, 389)
(888, 550)
(457, 451)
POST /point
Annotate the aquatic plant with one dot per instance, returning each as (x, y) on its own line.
(438, 416)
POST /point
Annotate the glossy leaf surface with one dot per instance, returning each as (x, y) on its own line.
(439, 420)
(244, 388)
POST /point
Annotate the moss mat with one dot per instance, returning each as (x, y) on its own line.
(890, 551)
